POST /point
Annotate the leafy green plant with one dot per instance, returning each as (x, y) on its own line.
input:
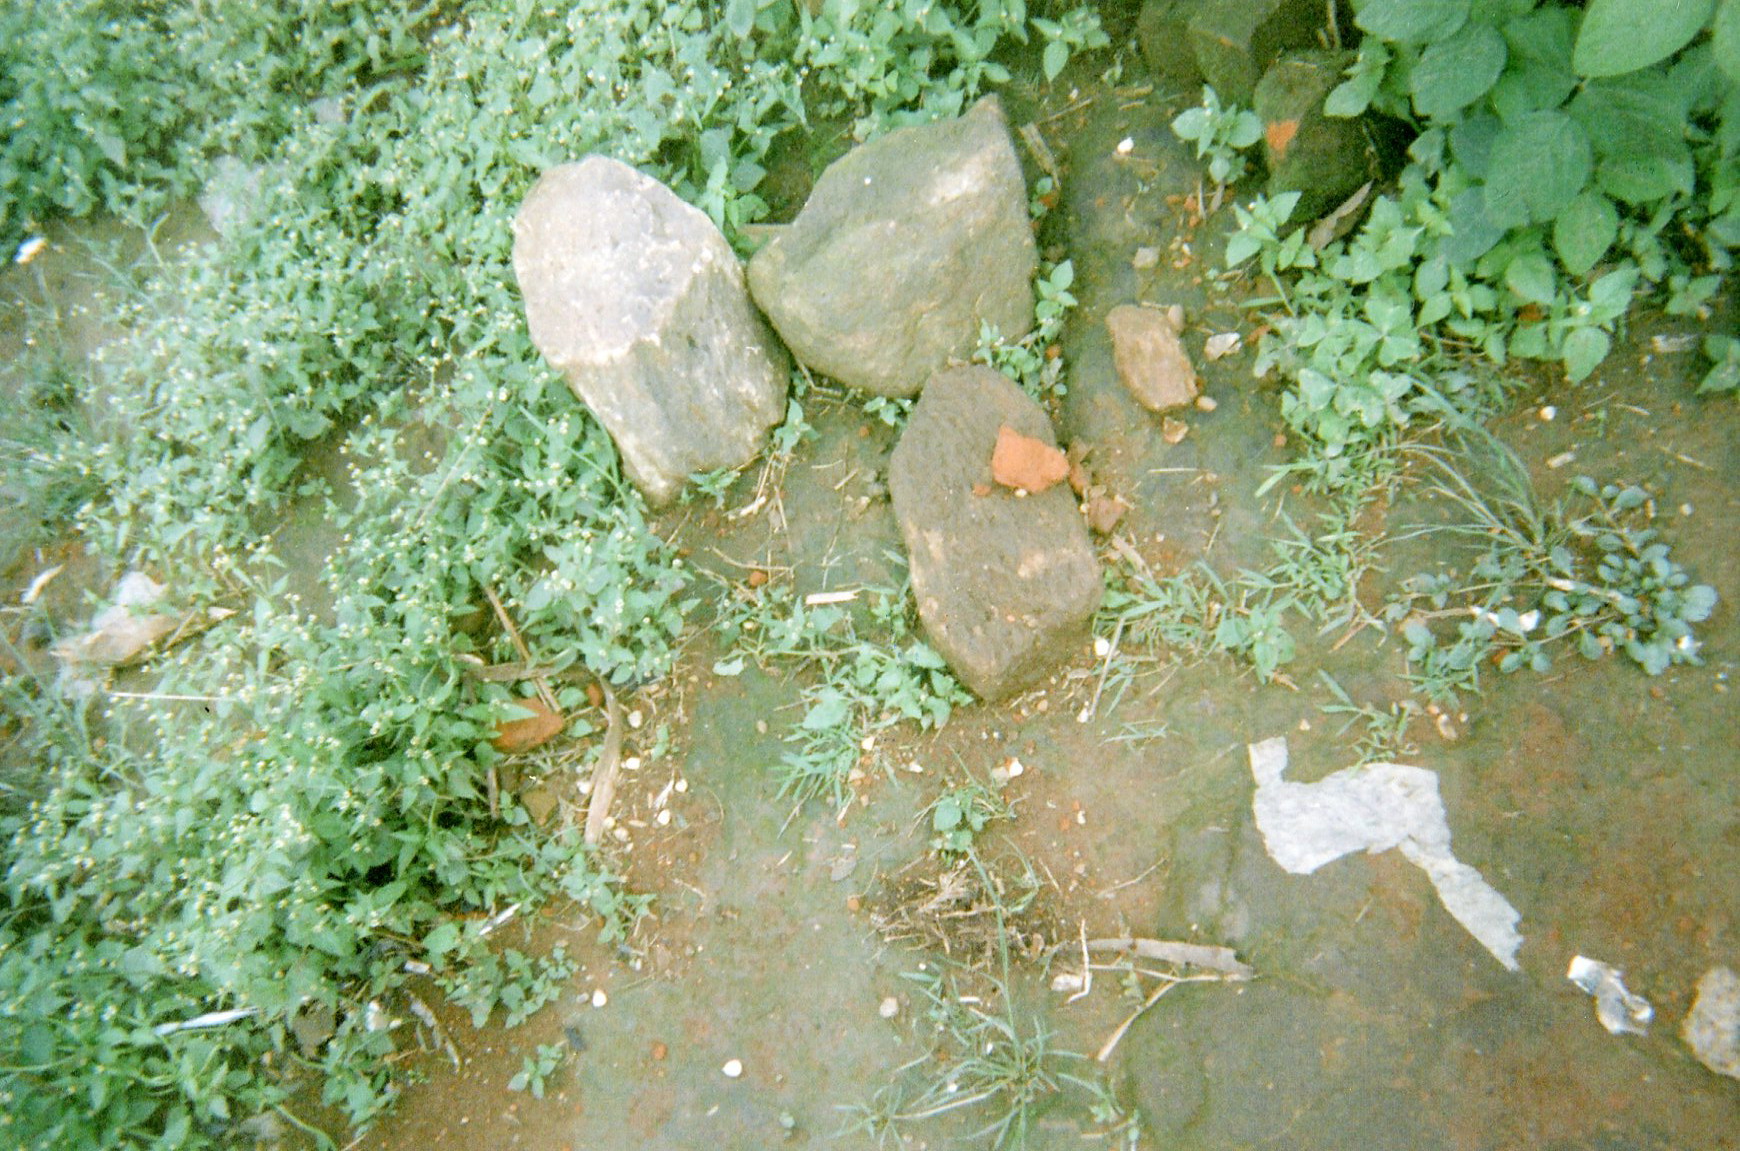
(536, 1069)
(1220, 134)
(1723, 352)
(1036, 360)
(958, 815)
(865, 687)
(299, 803)
(994, 1062)
(1580, 572)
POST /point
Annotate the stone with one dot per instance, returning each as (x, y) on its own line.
(1006, 583)
(637, 298)
(1163, 31)
(907, 245)
(1235, 41)
(1149, 356)
(1323, 158)
(1712, 1027)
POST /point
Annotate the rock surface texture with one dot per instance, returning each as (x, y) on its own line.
(1150, 358)
(906, 245)
(1323, 158)
(1006, 584)
(636, 297)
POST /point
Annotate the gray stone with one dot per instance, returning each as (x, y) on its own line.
(1712, 1027)
(637, 298)
(1163, 31)
(1235, 41)
(1150, 358)
(1323, 158)
(907, 244)
(1006, 584)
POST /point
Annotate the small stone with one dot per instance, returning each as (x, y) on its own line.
(1145, 258)
(1712, 1027)
(1173, 431)
(889, 1008)
(659, 1051)
(1206, 403)
(1221, 344)
(1150, 358)
(599, 998)
(733, 1068)
(1547, 413)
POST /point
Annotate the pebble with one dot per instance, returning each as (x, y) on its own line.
(889, 1008)
(599, 999)
(733, 1068)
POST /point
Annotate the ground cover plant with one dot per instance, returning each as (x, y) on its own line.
(1559, 169)
(289, 817)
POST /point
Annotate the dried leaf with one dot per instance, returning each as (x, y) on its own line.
(1024, 462)
(515, 735)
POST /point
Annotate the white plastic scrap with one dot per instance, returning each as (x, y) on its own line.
(1374, 808)
(1621, 1012)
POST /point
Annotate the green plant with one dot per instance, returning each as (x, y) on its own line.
(1220, 135)
(1582, 571)
(992, 1061)
(1036, 360)
(1553, 135)
(299, 804)
(536, 1069)
(958, 815)
(1723, 352)
(865, 685)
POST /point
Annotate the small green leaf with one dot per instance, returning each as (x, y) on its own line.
(1538, 165)
(1055, 57)
(1452, 74)
(1530, 275)
(1725, 39)
(1585, 230)
(1585, 348)
(740, 17)
(1413, 21)
(1620, 36)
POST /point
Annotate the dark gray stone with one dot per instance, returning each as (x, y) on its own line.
(636, 297)
(1235, 41)
(1006, 584)
(907, 244)
(1323, 158)
(1163, 31)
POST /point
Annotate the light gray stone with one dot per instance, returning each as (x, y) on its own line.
(1007, 584)
(1712, 1027)
(907, 244)
(636, 297)
(1149, 356)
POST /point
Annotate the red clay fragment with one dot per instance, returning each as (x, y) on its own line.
(1023, 462)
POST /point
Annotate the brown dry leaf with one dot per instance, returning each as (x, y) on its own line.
(1023, 462)
(515, 735)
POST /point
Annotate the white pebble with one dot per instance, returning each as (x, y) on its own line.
(599, 999)
(733, 1068)
(890, 1008)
